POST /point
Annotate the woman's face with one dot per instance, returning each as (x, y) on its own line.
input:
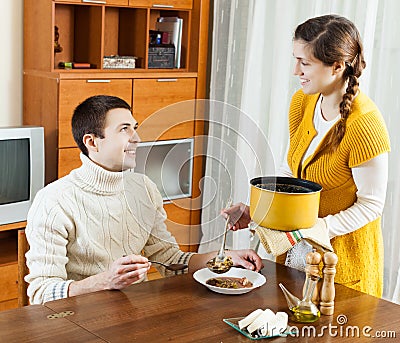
(315, 77)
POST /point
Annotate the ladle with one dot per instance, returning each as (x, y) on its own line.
(220, 267)
(220, 264)
(174, 266)
(221, 254)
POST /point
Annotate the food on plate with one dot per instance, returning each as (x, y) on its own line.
(266, 317)
(230, 282)
(277, 326)
(246, 321)
(205, 274)
(220, 266)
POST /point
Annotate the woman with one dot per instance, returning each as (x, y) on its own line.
(338, 139)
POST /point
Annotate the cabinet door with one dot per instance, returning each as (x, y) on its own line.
(108, 2)
(184, 4)
(79, 1)
(68, 159)
(162, 108)
(73, 92)
(178, 222)
(8, 282)
(113, 2)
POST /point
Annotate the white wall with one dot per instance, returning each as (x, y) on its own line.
(11, 57)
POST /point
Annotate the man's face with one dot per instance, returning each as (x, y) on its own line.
(117, 150)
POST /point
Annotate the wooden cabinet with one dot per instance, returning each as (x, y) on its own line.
(68, 159)
(9, 285)
(184, 4)
(86, 32)
(73, 92)
(159, 109)
(9, 265)
(163, 100)
(178, 221)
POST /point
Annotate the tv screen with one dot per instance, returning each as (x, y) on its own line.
(14, 170)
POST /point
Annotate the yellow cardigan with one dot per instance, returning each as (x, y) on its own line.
(360, 252)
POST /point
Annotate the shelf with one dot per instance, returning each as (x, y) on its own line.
(75, 74)
(12, 226)
(87, 32)
(130, 26)
(80, 33)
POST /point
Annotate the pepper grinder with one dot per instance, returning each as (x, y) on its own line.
(313, 260)
(328, 284)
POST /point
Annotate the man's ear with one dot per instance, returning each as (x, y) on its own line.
(90, 142)
(338, 67)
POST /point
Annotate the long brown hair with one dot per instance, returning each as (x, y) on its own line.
(333, 38)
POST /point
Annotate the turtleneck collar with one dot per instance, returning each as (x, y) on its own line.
(93, 178)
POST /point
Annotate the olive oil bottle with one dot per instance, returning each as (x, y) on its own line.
(306, 311)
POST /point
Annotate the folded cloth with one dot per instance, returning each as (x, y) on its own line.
(278, 242)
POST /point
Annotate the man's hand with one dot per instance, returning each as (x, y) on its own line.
(246, 258)
(239, 216)
(126, 270)
(122, 273)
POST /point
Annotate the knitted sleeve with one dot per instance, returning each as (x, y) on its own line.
(161, 245)
(47, 235)
(366, 138)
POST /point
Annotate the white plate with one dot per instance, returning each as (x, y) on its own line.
(204, 274)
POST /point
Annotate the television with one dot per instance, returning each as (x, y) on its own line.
(169, 164)
(21, 170)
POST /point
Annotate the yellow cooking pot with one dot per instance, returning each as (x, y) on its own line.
(284, 203)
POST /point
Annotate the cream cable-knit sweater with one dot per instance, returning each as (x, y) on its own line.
(78, 225)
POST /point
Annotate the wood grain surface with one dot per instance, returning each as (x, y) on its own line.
(180, 309)
(30, 324)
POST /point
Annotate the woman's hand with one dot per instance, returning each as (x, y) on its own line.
(239, 216)
(246, 258)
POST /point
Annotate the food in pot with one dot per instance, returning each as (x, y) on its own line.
(282, 188)
(230, 282)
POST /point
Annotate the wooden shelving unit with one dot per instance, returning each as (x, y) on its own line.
(88, 31)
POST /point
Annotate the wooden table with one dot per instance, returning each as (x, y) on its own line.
(30, 324)
(181, 310)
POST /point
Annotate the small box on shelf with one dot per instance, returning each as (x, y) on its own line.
(75, 65)
(119, 62)
(161, 56)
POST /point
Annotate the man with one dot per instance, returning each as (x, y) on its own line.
(95, 228)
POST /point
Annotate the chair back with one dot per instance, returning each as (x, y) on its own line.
(23, 247)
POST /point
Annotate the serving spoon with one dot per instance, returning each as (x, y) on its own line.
(221, 263)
